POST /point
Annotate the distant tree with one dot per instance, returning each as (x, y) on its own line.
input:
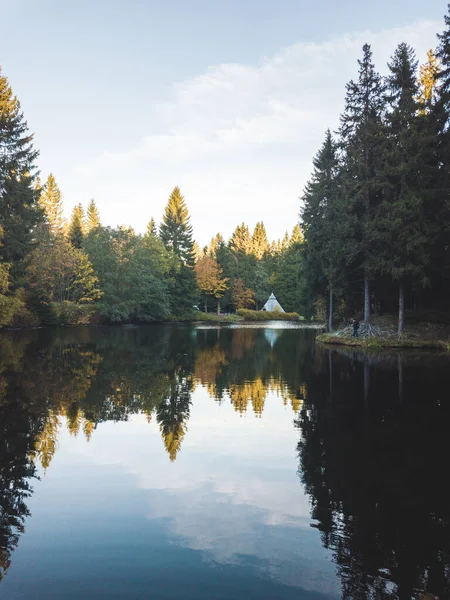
(176, 230)
(50, 202)
(241, 240)
(19, 209)
(297, 236)
(92, 217)
(243, 297)
(62, 272)
(215, 245)
(133, 272)
(76, 226)
(260, 243)
(210, 281)
(151, 227)
(176, 233)
(261, 284)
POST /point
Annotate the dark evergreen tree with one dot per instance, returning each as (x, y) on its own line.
(176, 233)
(361, 131)
(19, 210)
(401, 225)
(327, 225)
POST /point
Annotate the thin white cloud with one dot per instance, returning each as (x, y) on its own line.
(239, 139)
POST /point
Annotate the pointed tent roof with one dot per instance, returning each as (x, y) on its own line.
(272, 304)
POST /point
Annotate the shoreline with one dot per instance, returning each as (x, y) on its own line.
(374, 343)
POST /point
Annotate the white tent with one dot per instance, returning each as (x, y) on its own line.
(272, 305)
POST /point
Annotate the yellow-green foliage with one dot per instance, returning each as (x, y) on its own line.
(72, 313)
(214, 318)
(264, 315)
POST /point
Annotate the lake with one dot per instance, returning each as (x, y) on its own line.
(236, 462)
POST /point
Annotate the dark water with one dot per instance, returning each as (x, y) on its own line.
(232, 463)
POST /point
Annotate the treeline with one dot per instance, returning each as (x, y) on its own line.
(376, 214)
(54, 272)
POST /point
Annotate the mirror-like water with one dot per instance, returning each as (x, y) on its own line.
(216, 463)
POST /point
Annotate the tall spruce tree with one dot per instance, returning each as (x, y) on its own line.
(76, 226)
(401, 224)
(438, 182)
(50, 202)
(361, 130)
(19, 210)
(176, 233)
(327, 225)
(92, 217)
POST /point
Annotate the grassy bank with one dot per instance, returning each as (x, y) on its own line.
(418, 334)
(383, 342)
(215, 318)
(263, 315)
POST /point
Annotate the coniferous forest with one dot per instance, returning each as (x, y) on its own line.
(373, 235)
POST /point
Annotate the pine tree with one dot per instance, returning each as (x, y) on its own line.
(76, 226)
(92, 217)
(176, 230)
(327, 225)
(260, 243)
(361, 130)
(241, 240)
(297, 236)
(215, 245)
(50, 202)
(151, 227)
(176, 233)
(401, 226)
(19, 210)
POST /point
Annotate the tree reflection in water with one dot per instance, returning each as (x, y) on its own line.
(375, 464)
(80, 378)
(373, 450)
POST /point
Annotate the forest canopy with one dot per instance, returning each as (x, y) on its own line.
(373, 234)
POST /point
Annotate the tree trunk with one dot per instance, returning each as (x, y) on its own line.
(218, 306)
(330, 314)
(401, 308)
(206, 306)
(366, 299)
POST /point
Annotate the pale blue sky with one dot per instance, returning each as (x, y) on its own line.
(228, 99)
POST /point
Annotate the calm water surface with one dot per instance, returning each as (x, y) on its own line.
(220, 463)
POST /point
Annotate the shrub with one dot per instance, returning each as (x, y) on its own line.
(263, 315)
(72, 313)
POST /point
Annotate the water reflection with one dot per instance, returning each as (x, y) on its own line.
(375, 463)
(373, 445)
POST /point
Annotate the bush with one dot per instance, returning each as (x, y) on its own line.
(72, 313)
(14, 312)
(263, 315)
(214, 318)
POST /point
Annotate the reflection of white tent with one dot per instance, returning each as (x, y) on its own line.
(272, 304)
(271, 336)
